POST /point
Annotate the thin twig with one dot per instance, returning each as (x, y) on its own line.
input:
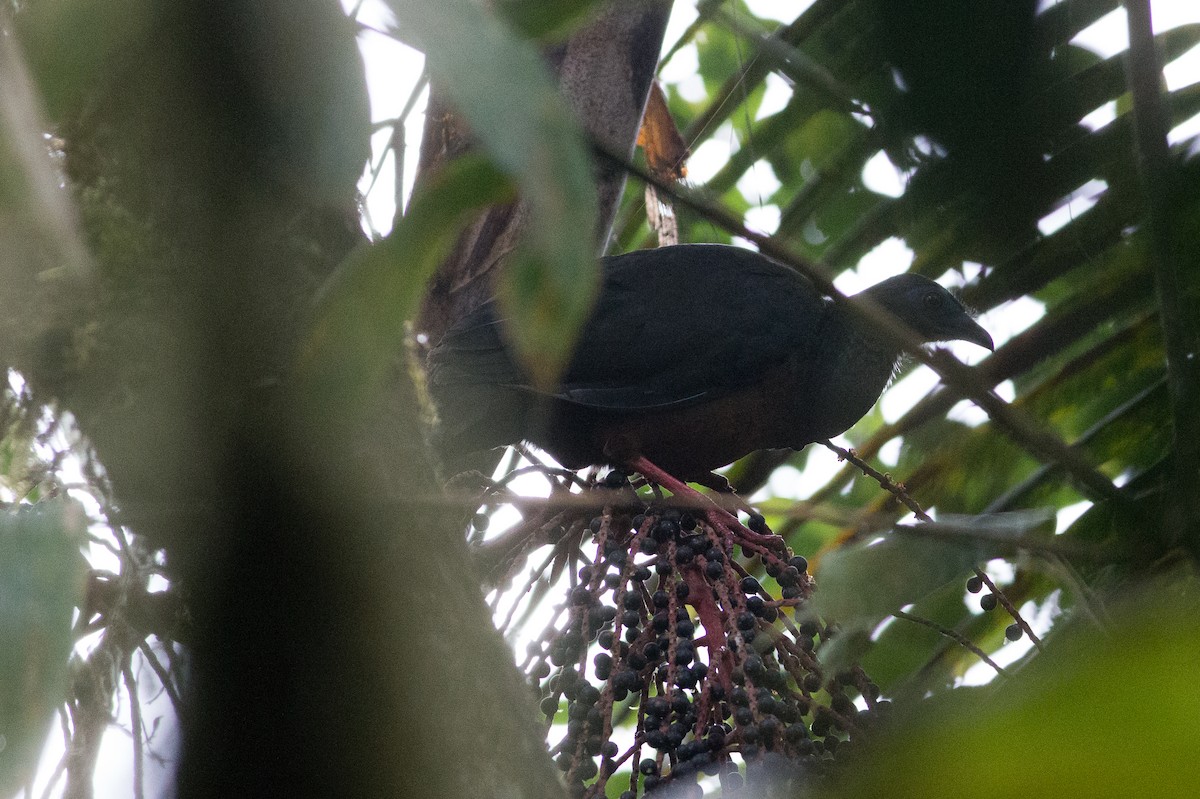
(885, 482)
(61, 768)
(791, 62)
(1007, 604)
(399, 143)
(961, 639)
(897, 490)
(135, 721)
(164, 677)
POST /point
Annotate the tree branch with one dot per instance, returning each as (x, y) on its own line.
(962, 640)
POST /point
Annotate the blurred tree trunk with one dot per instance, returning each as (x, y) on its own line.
(342, 643)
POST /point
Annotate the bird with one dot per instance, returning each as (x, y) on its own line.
(693, 356)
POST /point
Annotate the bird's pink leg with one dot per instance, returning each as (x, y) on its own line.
(721, 520)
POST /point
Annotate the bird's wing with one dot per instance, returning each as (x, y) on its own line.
(473, 352)
(471, 378)
(685, 324)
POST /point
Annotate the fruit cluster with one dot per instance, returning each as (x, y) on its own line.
(669, 627)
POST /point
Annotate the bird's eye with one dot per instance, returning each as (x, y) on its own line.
(931, 300)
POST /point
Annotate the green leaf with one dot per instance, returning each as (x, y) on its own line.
(526, 129)
(617, 784)
(312, 88)
(359, 325)
(41, 582)
(859, 585)
(996, 527)
(544, 19)
(901, 653)
(1099, 714)
(69, 42)
(38, 220)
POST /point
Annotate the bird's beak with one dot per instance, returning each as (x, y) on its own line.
(970, 330)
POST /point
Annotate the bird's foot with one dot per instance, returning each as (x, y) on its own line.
(724, 522)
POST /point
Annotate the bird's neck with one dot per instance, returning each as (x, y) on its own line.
(873, 347)
(862, 366)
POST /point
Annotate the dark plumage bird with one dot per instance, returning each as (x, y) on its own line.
(694, 356)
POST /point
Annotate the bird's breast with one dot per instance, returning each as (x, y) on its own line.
(848, 389)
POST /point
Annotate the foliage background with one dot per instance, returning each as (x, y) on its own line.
(209, 196)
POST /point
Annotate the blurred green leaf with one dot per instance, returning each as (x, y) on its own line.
(823, 137)
(767, 136)
(526, 129)
(544, 19)
(303, 56)
(359, 325)
(1099, 714)
(38, 220)
(69, 42)
(309, 75)
(41, 582)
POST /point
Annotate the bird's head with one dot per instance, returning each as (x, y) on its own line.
(932, 312)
